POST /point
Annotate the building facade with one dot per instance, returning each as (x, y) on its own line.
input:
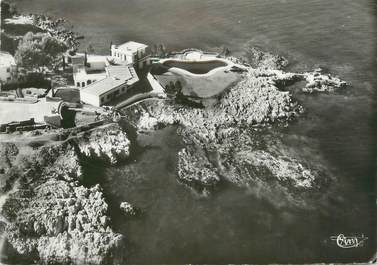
(119, 79)
(88, 69)
(133, 53)
(8, 68)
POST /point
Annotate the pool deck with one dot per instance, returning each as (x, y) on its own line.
(204, 85)
(227, 67)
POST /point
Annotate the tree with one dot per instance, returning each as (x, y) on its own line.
(226, 51)
(90, 49)
(154, 49)
(38, 50)
(7, 10)
(163, 50)
(178, 86)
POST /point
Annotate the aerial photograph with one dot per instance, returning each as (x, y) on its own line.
(188, 132)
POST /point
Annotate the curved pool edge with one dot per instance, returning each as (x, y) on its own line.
(229, 64)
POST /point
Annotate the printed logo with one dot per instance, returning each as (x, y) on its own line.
(349, 241)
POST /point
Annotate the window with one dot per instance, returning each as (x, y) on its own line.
(8, 70)
(108, 96)
(123, 89)
(102, 100)
(88, 82)
(83, 84)
(78, 84)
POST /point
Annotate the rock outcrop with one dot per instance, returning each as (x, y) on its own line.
(108, 143)
(128, 209)
(258, 58)
(196, 170)
(319, 82)
(50, 216)
(8, 154)
(56, 28)
(223, 140)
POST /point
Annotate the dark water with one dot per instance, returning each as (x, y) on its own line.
(234, 225)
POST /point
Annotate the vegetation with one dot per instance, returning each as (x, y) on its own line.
(90, 49)
(29, 80)
(158, 50)
(7, 10)
(8, 43)
(173, 89)
(225, 52)
(39, 50)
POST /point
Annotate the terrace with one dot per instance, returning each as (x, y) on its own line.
(199, 75)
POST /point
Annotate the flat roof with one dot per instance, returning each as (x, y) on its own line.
(91, 57)
(19, 111)
(6, 59)
(81, 74)
(131, 46)
(117, 76)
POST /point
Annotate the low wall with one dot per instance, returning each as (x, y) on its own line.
(19, 100)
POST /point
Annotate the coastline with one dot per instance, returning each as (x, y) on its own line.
(255, 102)
(51, 216)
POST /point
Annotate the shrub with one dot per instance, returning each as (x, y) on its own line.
(7, 10)
(38, 50)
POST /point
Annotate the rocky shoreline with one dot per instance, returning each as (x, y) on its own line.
(50, 217)
(222, 139)
(56, 28)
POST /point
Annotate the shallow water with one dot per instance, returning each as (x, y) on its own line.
(236, 225)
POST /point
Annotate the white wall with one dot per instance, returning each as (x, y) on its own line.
(96, 65)
(4, 75)
(89, 98)
(96, 100)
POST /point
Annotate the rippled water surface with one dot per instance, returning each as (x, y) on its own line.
(235, 225)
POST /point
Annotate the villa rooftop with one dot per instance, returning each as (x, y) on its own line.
(116, 76)
(131, 46)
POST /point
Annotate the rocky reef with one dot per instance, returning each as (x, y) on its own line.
(258, 58)
(195, 169)
(319, 82)
(49, 216)
(128, 209)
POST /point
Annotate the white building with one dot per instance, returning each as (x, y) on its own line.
(118, 80)
(133, 53)
(8, 68)
(88, 69)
